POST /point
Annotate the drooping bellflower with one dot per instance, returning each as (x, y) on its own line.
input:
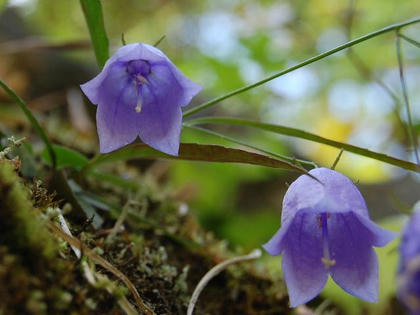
(140, 92)
(326, 230)
(409, 269)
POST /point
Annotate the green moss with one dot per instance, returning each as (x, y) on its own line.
(40, 276)
(23, 229)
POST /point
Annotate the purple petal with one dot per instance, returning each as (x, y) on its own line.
(409, 268)
(276, 244)
(304, 192)
(190, 88)
(303, 271)
(409, 285)
(410, 242)
(378, 236)
(159, 123)
(333, 192)
(94, 88)
(140, 92)
(116, 115)
(356, 264)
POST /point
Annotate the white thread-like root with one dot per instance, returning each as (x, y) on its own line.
(256, 253)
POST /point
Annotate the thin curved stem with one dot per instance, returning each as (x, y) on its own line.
(297, 133)
(410, 40)
(256, 253)
(351, 43)
(406, 101)
(32, 120)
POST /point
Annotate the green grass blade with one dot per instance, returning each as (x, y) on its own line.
(193, 152)
(32, 120)
(297, 133)
(92, 10)
(300, 65)
(66, 157)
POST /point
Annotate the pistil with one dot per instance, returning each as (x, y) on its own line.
(326, 259)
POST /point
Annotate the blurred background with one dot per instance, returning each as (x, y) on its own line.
(353, 97)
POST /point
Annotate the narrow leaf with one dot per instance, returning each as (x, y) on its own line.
(32, 120)
(288, 131)
(253, 147)
(66, 157)
(306, 62)
(194, 152)
(92, 10)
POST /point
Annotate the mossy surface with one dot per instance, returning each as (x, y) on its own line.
(162, 250)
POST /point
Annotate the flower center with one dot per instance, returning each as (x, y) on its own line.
(326, 259)
(139, 71)
(138, 67)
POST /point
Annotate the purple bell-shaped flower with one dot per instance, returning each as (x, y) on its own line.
(140, 92)
(326, 230)
(409, 269)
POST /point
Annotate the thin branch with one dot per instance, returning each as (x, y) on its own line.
(36, 43)
(90, 274)
(413, 138)
(159, 40)
(105, 264)
(300, 65)
(410, 40)
(123, 39)
(337, 159)
(364, 70)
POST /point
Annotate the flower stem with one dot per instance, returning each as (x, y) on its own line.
(35, 124)
(410, 40)
(412, 137)
(302, 64)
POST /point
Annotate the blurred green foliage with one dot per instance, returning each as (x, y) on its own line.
(225, 44)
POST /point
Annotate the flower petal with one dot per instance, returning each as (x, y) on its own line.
(332, 192)
(190, 88)
(159, 122)
(276, 244)
(304, 273)
(356, 264)
(116, 115)
(140, 92)
(379, 236)
(410, 241)
(409, 285)
(94, 88)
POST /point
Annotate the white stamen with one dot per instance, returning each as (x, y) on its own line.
(326, 260)
(141, 79)
(139, 104)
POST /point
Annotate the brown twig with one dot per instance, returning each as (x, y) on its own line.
(102, 262)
